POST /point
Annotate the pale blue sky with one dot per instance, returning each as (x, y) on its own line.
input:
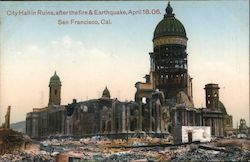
(89, 57)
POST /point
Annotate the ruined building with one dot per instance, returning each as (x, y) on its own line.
(243, 127)
(169, 75)
(163, 103)
(6, 123)
(103, 116)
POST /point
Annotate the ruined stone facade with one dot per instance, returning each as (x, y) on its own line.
(163, 103)
(103, 116)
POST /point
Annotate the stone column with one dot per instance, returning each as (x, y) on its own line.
(200, 120)
(186, 117)
(140, 115)
(182, 117)
(123, 119)
(128, 119)
(67, 126)
(101, 115)
(194, 117)
(221, 127)
(150, 116)
(210, 124)
(158, 117)
(34, 128)
(218, 126)
(106, 126)
(216, 132)
(63, 122)
(113, 117)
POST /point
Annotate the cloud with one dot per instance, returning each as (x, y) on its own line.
(67, 41)
(19, 53)
(79, 43)
(96, 53)
(32, 47)
(68, 49)
(54, 42)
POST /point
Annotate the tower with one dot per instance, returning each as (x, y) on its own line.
(169, 66)
(55, 90)
(212, 96)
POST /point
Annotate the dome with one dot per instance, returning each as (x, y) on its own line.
(55, 79)
(169, 26)
(222, 108)
(106, 93)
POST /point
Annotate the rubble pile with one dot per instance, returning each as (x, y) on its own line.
(24, 156)
(104, 149)
(124, 156)
(211, 152)
(11, 140)
(134, 149)
(84, 149)
(242, 143)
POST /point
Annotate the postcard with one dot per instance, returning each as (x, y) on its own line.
(124, 80)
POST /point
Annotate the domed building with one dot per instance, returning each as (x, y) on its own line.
(169, 75)
(169, 64)
(163, 103)
(169, 57)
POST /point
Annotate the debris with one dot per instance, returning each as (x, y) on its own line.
(212, 148)
(102, 149)
(11, 140)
